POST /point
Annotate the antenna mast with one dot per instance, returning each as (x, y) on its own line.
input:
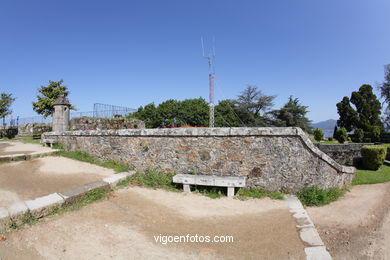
(210, 59)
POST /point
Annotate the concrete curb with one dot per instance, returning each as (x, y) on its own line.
(314, 247)
(43, 206)
(24, 156)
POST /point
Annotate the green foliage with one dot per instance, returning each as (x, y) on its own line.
(371, 177)
(373, 156)
(330, 138)
(384, 89)
(225, 115)
(292, 114)
(341, 135)
(258, 193)
(315, 196)
(151, 178)
(318, 134)
(253, 100)
(376, 134)
(367, 110)
(47, 95)
(6, 101)
(211, 192)
(359, 135)
(85, 157)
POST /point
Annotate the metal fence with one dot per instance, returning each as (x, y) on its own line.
(111, 113)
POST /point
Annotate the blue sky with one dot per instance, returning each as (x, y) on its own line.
(132, 53)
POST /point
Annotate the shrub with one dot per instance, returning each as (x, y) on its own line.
(318, 134)
(341, 135)
(373, 156)
(330, 138)
(367, 140)
(376, 134)
(315, 196)
(359, 135)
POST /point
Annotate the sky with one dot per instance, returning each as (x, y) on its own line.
(131, 53)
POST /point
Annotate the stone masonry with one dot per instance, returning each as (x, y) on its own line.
(271, 158)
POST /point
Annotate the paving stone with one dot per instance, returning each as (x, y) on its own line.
(115, 178)
(317, 253)
(41, 206)
(310, 236)
(75, 194)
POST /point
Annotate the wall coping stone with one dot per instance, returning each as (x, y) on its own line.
(212, 132)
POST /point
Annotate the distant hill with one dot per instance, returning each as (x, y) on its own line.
(326, 126)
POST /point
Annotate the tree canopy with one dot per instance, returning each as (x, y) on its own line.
(365, 112)
(250, 108)
(47, 95)
(293, 113)
(6, 101)
(384, 89)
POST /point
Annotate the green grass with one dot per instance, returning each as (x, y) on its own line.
(315, 196)
(30, 140)
(244, 194)
(151, 178)
(371, 177)
(88, 198)
(85, 157)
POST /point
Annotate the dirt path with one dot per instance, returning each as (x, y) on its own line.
(15, 147)
(358, 225)
(124, 226)
(31, 179)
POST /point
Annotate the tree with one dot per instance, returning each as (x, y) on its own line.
(365, 114)
(225, 116)
(194, 112)
(318, 134)
(148, 114)
(254, 101)
(47, 95)
(359, 136)
(384, 89)
(6, 101)
(348, 116)
(292, 114)
(341, 135)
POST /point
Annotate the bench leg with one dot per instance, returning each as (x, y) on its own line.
(230, 191)
(186, 188)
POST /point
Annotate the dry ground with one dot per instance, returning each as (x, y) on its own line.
(124, 226)
(26, 180)
(15, 147)
(357, 226)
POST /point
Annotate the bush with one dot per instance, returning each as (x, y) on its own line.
(341, 135)
(373, 156)
(367, 140)
(318, 134)
(359, 135)
(315, 196)
(330, 138)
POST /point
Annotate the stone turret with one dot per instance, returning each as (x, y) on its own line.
(61, 114)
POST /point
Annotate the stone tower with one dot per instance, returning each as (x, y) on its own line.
(61, 114)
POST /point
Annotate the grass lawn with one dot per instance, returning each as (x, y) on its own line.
(372, 177)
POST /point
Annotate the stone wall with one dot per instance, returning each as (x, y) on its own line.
(345, 154)
(271, 158)
(96, 123)
(33, 129)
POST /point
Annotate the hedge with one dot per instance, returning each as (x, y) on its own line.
(373, 156)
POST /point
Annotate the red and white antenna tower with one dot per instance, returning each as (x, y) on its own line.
(210, 59)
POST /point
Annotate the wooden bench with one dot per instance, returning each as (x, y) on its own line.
(210, 180)
(49, 142)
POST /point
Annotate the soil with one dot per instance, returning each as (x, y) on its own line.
(31, 179)
(356, 226)
(124, 226)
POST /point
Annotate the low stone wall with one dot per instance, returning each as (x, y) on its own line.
(271, 158)
(33, 129)
(96, 123)
(345, 154)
